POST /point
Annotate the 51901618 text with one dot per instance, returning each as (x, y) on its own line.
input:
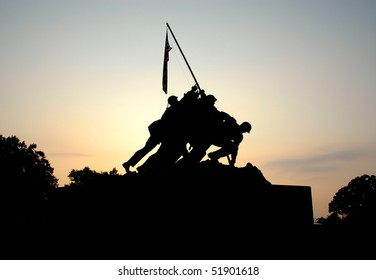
(228, 270)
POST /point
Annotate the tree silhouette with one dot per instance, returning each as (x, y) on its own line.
(355, 203)
(82, 177)
(27, 178)
(87, 177)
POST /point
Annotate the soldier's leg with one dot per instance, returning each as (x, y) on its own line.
(157, 161)
(198, 152)
(225, 150)
(151, 143)
(222, 152)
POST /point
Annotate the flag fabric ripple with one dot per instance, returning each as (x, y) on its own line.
(165, 60)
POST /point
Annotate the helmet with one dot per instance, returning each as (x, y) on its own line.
(172, 99)
(211, 99)
(246, 127)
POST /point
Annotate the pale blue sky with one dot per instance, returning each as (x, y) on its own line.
(82, 80)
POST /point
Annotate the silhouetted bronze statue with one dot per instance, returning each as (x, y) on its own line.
(193, 120)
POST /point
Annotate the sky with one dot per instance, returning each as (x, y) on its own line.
(83, 80)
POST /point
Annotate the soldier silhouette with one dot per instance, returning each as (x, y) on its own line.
(228, 137)
(173, 141)
(158, 130)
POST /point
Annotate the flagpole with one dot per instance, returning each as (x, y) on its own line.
(189, 67)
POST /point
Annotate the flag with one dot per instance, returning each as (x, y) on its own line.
(165, 60)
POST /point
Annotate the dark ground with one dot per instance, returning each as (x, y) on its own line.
(209, 212)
